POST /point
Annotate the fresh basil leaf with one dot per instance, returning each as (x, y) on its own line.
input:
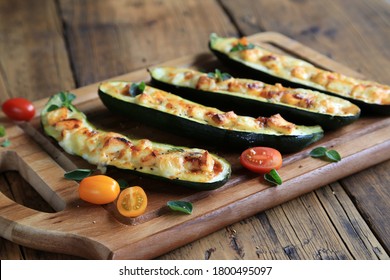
(218, 75)
(318, 152)
(70, 97)
(2, 131)
(66, 98)
(322, 152)
(63, 96)
(225, 76)
(333, 155)
(180, 206)
(273, 177)
(122, 183)
(241, 47)
(137, 88)
(5, 143)
(173, 150)
(52, 108)
(78, 174)
(211, 75)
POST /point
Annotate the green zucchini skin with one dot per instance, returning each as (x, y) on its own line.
(212, 134)
(57, 101)
(243, 70)
(196, 186)
(252, 107)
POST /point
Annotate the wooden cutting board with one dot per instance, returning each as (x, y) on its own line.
(99, 232)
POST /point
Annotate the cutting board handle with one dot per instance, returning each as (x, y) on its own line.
(42, 230)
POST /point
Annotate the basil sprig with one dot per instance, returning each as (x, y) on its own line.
(6, 142)
(180, 206)
(273, 177)
(2, 131)
(137, 88)
(66, 101)
(324, 153)
(218, 75)
(241, 47)
(78, 174)
(123, 184)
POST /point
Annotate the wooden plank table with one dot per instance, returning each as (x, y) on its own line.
(47, 46)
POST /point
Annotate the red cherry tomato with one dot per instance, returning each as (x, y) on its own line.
(19, 109)
(261, 159)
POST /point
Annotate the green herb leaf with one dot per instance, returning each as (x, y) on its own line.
(181, 206)
(173, 150)
(322, 152)
(122, 183)
(62, 95)
(241, 47)
(66, 98)
(6, 143)
(318, 152)
(52, 108)
(137, 88)
(333, 155)
(70, 97)
(2, 131)
(273, 177)
(219, 76)
(78, 174)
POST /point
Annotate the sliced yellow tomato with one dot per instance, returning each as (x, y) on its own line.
(132, 202)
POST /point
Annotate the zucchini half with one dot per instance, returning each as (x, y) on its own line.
(170, 112)
(256, 62)
(190, 167)
(253, 97)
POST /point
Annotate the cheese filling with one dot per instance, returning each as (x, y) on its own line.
(302, 98)
(300, 71)
(76, 136)
(173, 104)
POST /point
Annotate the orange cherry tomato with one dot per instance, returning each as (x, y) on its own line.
(132, 202)
(261, 159)
(99, 189)
(19, 109)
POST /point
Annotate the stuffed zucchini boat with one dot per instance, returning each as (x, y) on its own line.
(259, 63)
(251, 97)
(171, 112)
(189, 167)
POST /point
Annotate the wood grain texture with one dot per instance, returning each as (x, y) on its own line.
(33, 56)
(343, 30)
(324, 26)
(157, 231)
(116, 37)
(34, 63)
(370, 192)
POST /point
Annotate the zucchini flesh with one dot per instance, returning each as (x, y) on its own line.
(253, 97)
(189, 167)
(171, 112)
(256, 62)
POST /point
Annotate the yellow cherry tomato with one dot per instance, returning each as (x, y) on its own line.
(99, 189)
(132, 202)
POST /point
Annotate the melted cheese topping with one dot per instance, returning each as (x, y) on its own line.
(299, 71)
(175, 105)
(302, 98)
(76, 136)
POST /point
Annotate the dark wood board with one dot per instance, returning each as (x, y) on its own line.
(98, 232)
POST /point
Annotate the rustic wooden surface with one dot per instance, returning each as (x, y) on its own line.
(48, 46)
